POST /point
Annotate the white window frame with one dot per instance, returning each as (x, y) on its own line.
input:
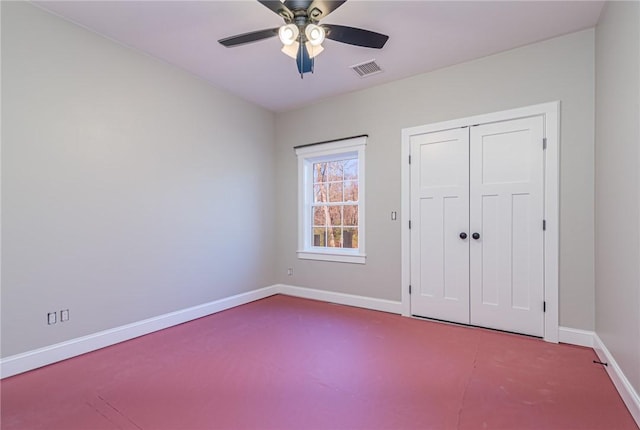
(307, 156)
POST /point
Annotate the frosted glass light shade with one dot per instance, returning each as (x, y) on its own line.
(315, 34)
(288, 34)
(313, 50)
(291, 50)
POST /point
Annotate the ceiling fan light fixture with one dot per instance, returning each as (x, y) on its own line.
(302, 34)
(288, 34)
(291, 50)
(315, 34)
(313, 50)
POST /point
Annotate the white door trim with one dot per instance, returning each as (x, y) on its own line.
(550, 112)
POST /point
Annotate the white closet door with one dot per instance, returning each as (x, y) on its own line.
(439, 214)
(506, 209)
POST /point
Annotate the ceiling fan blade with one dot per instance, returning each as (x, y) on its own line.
(355, 36)
(303, 61)
(253, 36)
(319, 9)
(279, 8)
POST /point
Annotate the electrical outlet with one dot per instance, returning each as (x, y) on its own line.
(52, 318)
(290, 271)
(64, 315)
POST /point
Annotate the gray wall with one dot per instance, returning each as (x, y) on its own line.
(618, 185)
(557, 69)
(129, 187)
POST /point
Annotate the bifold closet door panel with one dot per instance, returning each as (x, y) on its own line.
(506, 214)
(440, 222)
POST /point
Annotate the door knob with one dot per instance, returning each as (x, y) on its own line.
(476, 236)
(463, 235)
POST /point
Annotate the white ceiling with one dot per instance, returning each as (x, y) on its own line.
(424, 36)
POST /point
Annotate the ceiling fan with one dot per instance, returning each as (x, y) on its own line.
(302, 34)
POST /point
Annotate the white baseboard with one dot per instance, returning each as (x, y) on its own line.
(576, 336)
(341, 298)
(592, 340)
(36, 358)
(30, 360)
(627, 392)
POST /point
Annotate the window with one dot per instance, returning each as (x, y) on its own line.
(331, 201)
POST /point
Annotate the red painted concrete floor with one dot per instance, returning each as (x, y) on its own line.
(289, 363)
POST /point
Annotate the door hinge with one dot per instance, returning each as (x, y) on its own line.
(544, 143)
(544, 306)
(544, 224)
(409, 158)
(409, 289)
(409, 224)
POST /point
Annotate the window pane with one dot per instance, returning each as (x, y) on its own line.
(335, 192)
(320, 193)
(334, 237)
(351, 169)
(319, 236)
(350, 215)
(320, 172)
(335, 215)
(330, 205)
(351, 191)
(320, 215)
(335, 169)
(350, 239)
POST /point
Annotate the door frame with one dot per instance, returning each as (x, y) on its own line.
(550, 114)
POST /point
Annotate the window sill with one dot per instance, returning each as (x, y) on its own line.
(325, 256)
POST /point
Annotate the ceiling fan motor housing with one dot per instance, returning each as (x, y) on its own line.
(296, 5)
